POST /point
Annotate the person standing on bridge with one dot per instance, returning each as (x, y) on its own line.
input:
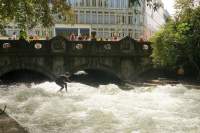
(62, 80)
(14, 36)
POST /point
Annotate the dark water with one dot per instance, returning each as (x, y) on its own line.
(90, 77)
(23, 76)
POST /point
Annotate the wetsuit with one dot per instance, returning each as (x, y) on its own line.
(62, 81)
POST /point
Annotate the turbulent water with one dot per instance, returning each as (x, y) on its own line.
(106, 109)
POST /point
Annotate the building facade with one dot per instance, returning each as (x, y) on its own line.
(196, 3)
(110, 18)
(153, 19)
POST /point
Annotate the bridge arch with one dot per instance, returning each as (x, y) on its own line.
(101, 68)
(31, 67)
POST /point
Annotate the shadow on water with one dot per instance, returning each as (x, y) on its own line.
(90, 77)
(95, 78)
(23, 76)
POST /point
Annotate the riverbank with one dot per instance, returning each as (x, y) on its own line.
(9, 125)
(156, 77)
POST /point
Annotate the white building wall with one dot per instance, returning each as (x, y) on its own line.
(108, 17)
(116, 18)
(153, 20)
(196, 3)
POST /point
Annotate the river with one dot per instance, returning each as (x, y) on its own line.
(103, 109)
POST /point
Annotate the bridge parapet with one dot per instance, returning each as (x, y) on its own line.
(125, 58)
(59, 44)
(23, 46)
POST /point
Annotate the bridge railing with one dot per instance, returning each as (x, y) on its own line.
(125, 46)
(92, 47)
(107, 47)
(23, 46)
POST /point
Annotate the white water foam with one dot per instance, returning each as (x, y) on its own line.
(106, 109)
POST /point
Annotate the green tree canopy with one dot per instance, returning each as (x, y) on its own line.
(178, 42)
(29, 13)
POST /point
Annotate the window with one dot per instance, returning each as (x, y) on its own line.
(100, 3)
(130, 32)
(118, 19)
(94, 17)
(137, 34)
(76, 3)
(82, 17)
(88, 17)
(100, 32)
(94, 29)
(117, 4)
(135, 20)
(130, 4)
(106, 18)
(87, 2)
(106, 35)
(112, 32)
(72, 2)
(130, 20)
(112, 3)
(100, 18)
(94, 3)
(123, 20)
(66, 31)
(76, 18)
(106, 3)
(85, 31)
(81, 2)
(112, 19)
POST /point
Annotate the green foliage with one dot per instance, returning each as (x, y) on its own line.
(164, 52)
(23, 35)
(182, 7)
(29, 13)
(178, 43)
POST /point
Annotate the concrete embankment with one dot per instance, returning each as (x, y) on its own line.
(9, 125)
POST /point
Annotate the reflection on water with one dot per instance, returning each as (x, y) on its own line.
(103, 109)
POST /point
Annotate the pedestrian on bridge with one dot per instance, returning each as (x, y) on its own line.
(62, 80)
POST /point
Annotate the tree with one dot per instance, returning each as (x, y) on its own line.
(164, 51)
(178, 43)
(29, 13)
(154, 4)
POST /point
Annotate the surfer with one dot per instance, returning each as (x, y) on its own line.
(62, 80)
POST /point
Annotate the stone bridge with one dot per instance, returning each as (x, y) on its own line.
(126, 58)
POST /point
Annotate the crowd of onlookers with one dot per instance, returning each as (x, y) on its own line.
(22, 35)
(71, 37)
(74, 37)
